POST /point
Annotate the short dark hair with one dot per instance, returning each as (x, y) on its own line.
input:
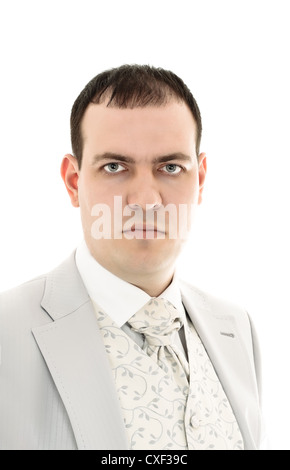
(130, 86)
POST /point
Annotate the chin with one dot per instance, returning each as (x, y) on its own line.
(147, 261)
(136, 257)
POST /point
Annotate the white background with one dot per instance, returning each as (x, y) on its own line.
(234, 56)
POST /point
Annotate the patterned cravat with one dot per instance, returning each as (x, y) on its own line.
(159, 322)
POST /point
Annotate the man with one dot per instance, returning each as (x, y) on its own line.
(111, 350)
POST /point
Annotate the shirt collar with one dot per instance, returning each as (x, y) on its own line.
(118, 298)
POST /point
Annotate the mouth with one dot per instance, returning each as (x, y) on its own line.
(145, 231)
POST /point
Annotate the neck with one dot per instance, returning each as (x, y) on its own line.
(152, 276)
(154, 289)
(151, 282)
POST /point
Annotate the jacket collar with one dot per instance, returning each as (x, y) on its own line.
(64, 290)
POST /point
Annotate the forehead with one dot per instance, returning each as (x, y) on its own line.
(164, 127)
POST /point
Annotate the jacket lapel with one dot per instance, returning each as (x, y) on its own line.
(230, 356)
(73, 349)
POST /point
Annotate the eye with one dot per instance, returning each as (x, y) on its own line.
(172, 168)
(113, 167)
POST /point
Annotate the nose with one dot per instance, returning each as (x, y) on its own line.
(143, 192)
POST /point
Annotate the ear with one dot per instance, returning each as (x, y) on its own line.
(69, 171)
(202, 163)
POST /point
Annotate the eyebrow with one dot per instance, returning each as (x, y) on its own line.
(126, 159)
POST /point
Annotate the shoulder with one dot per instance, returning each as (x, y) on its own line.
(30, 293)
(58, 291)
(216, 306)
(24, 298)
(213, 308)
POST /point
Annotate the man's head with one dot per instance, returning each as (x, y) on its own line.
(136, 133)
(131, 86)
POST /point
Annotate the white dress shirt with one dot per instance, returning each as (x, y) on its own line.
(120, 299)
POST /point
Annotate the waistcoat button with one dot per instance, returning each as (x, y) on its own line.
(195, 421)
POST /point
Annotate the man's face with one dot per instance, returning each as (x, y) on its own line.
(147, 157)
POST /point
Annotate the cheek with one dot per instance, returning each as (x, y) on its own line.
(188, 203)
(87, 187)
(87, 194)
(186, 192)
(97, 197)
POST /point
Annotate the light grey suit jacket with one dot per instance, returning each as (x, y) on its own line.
(56, 386)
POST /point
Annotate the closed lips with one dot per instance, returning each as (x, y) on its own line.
(144, 228)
